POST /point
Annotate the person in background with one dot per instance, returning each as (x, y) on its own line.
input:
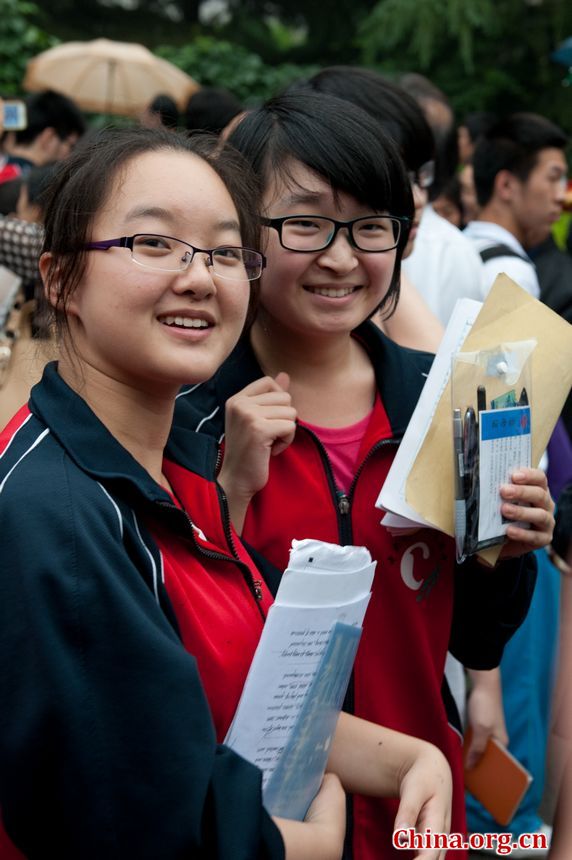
(469, 132)
(9, 193)
(211, 109)
(161, 111)
(449, 204)
(558, 790)
(439, 114)
(443, 265)
(468, 194)
(519, 171)
(30, 205)
(55, 124)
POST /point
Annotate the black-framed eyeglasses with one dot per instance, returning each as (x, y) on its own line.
(167, 254)
(370, 233)
(423, 176)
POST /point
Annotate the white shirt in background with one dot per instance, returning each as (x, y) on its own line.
(486, 234)
(444, 265)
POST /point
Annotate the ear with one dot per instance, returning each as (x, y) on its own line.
(506, 183)
(51, 280)
(46, 142)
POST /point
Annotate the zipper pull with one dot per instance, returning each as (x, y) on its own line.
(343, 504)
(257, 585)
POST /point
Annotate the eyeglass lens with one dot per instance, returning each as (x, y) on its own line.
(164, 253)
(424, 176)
(378, 233)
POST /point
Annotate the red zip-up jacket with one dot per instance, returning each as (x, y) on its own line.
(117, 614)
(422, 602)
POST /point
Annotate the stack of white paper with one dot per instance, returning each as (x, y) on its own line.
(400, 516)
(298, 678)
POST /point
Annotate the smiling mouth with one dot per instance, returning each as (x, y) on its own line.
(331, 292)
(184, 322)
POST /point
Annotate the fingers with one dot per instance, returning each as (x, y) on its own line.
(283, 380)
(528, 501)
(476, 747)
(329, 801)
(266, 384)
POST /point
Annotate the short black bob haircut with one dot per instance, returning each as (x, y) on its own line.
(512, 144)
(340, 143)
(84, 181)
(397, 112)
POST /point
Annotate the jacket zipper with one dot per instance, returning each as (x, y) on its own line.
(254, 585)
(343, 501)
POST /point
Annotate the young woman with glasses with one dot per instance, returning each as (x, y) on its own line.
(337, 204)
(130, 610)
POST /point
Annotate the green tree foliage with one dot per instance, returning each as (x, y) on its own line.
(20, 39)
(485, 55)
(213, 62)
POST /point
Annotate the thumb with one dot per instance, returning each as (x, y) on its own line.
(476, 748)
(283, 380)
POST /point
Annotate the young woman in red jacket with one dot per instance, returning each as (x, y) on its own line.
(317, 400)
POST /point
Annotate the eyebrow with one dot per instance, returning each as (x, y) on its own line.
(304, 197)
(166, 215)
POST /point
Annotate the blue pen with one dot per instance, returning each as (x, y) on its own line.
(460, 507)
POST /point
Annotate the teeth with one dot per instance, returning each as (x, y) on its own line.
(332, 293)
(185, 322)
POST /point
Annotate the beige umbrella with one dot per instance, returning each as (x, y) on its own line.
(108, 77)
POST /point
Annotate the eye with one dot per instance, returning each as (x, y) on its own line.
(228, 255)
(152, 243)
(374, 226)
(304, 225)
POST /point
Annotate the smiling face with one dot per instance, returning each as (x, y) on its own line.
(155, 330)
(322, 292)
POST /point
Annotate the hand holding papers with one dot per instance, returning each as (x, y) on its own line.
(508, 314)
(291, 700)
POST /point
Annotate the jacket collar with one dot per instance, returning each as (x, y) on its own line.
(98, 453)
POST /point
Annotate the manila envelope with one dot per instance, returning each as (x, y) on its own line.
(509, 313)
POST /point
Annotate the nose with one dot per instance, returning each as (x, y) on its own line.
(197, 278)
(340, 255)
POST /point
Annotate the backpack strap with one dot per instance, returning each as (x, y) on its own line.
(500, 251)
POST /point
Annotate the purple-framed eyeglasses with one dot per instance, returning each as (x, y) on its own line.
(167, 254)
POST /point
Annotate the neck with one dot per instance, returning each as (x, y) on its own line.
(24, 151)
(499, 214)
(308, 357)
(138, 419)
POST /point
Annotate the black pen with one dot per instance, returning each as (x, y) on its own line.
(481, 398)
(460, 504)
(471, 450)
(523, 399)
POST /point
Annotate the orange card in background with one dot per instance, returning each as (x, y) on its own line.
(498, 780)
